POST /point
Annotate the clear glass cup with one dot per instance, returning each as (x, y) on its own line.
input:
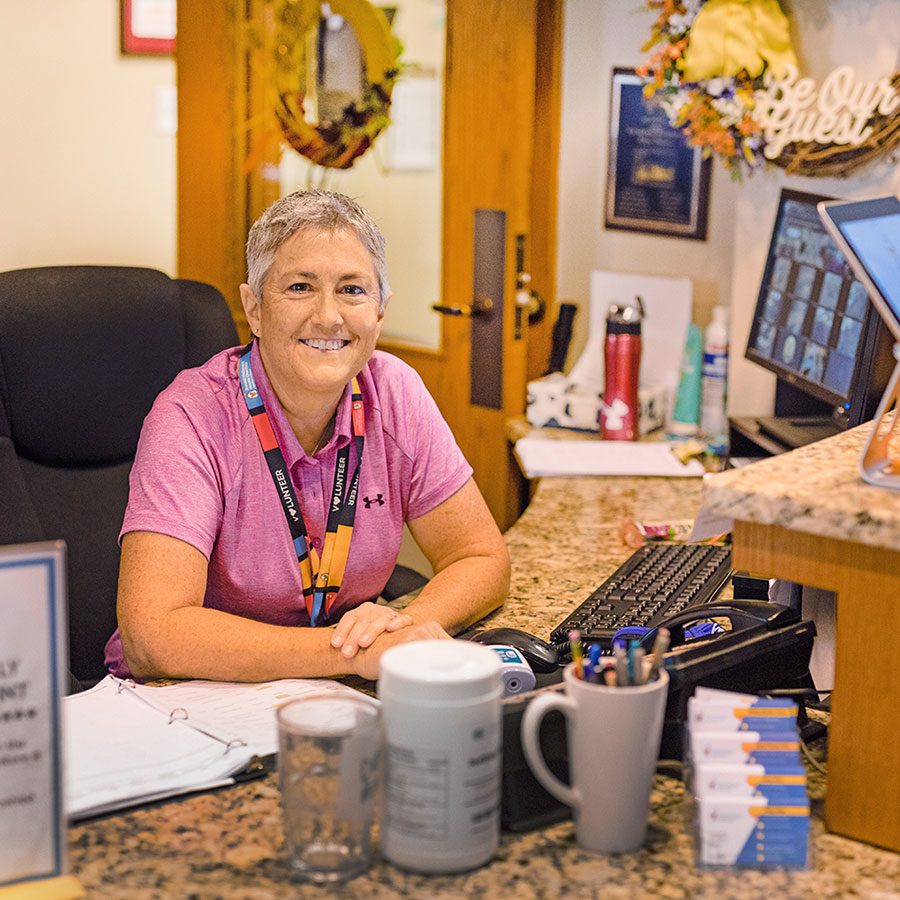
(330, 768)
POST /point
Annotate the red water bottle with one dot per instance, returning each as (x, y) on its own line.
(620, 415)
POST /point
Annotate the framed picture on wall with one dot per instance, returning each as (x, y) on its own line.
(656, 182)
(148, 27)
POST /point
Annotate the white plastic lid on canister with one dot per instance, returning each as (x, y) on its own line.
(431, 673)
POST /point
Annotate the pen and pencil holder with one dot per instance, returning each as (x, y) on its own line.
(613, 738)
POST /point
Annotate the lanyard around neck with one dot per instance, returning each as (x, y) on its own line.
(321, 577)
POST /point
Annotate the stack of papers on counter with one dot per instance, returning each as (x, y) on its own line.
(541, 457)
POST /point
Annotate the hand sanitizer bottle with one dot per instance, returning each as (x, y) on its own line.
(713, 416)
(686, 414)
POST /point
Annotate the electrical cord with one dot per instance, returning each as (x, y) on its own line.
(822, 770)
(803, 692)
(795, 692)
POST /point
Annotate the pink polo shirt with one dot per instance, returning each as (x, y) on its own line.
(200, 476)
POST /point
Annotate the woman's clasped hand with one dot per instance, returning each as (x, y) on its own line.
(360, 626)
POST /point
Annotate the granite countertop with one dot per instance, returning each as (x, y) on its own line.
(229, 843)
(815, 489)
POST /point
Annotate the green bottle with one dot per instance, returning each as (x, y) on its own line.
(686, 414)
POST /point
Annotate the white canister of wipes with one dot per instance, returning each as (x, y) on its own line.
(441, 711)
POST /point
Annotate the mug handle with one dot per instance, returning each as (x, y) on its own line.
(531, 726)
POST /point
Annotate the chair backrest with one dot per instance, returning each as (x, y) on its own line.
(84, 350)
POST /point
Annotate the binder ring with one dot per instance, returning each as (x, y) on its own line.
(234, 743)
(124, 683)
(179, 713)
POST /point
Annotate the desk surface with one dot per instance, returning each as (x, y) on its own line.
(229, 842)
(815, 489)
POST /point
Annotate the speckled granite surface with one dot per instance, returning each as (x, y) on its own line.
(816, 489)
(229, 843)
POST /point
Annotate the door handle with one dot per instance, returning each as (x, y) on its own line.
(480, 306)
(528, 300)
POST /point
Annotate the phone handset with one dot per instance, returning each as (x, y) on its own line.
(741, 613)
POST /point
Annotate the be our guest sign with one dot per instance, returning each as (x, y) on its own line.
(32, 664)
(792, 109)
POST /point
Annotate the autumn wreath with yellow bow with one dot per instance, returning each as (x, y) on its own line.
(726, 74)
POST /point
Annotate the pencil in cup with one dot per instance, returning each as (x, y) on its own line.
(577, 654)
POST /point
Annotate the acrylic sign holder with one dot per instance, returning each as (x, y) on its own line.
(875, 464)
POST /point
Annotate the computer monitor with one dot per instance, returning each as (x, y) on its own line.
(813, 325)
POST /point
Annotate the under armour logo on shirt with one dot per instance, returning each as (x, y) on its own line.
(379, 499)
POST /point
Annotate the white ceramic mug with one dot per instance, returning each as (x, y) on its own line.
(613, 739)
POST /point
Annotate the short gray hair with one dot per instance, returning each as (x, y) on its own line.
(324, 210)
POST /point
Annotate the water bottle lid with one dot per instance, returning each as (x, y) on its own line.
(616, 327)
(625, 318)
(431, 672)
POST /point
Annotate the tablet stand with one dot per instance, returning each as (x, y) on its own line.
(875, 464)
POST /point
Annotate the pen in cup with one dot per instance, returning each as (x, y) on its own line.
(638, 665)
(632, 649)
(621, 665)
(592, 668)
(660, 646)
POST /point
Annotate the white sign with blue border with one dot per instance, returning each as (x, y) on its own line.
(32, 678)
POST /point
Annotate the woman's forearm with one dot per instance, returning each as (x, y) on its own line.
(196, 642)
(168, 633)
(464, 592)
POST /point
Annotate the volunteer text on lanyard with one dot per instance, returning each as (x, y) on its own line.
(321, 578)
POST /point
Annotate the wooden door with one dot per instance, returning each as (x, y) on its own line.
(501, 132)
(501, 128)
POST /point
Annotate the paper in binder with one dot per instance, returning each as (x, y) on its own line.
(128, 744)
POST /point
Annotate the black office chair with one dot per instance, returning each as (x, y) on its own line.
(84, 350)
(403, 581)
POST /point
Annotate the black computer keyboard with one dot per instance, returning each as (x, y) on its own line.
(655, 582)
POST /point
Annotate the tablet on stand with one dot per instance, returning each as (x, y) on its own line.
(868, 231)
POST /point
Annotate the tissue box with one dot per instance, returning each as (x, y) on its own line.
(654, 403)
(554, 402)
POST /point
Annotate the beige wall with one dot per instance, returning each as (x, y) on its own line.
(601, 34)
(86, 177)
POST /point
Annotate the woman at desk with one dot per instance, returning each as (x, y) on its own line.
(271, 484)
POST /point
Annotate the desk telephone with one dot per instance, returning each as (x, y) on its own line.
(767, 647)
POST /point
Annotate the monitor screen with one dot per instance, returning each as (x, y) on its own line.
(869, 232)
(810, 317)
